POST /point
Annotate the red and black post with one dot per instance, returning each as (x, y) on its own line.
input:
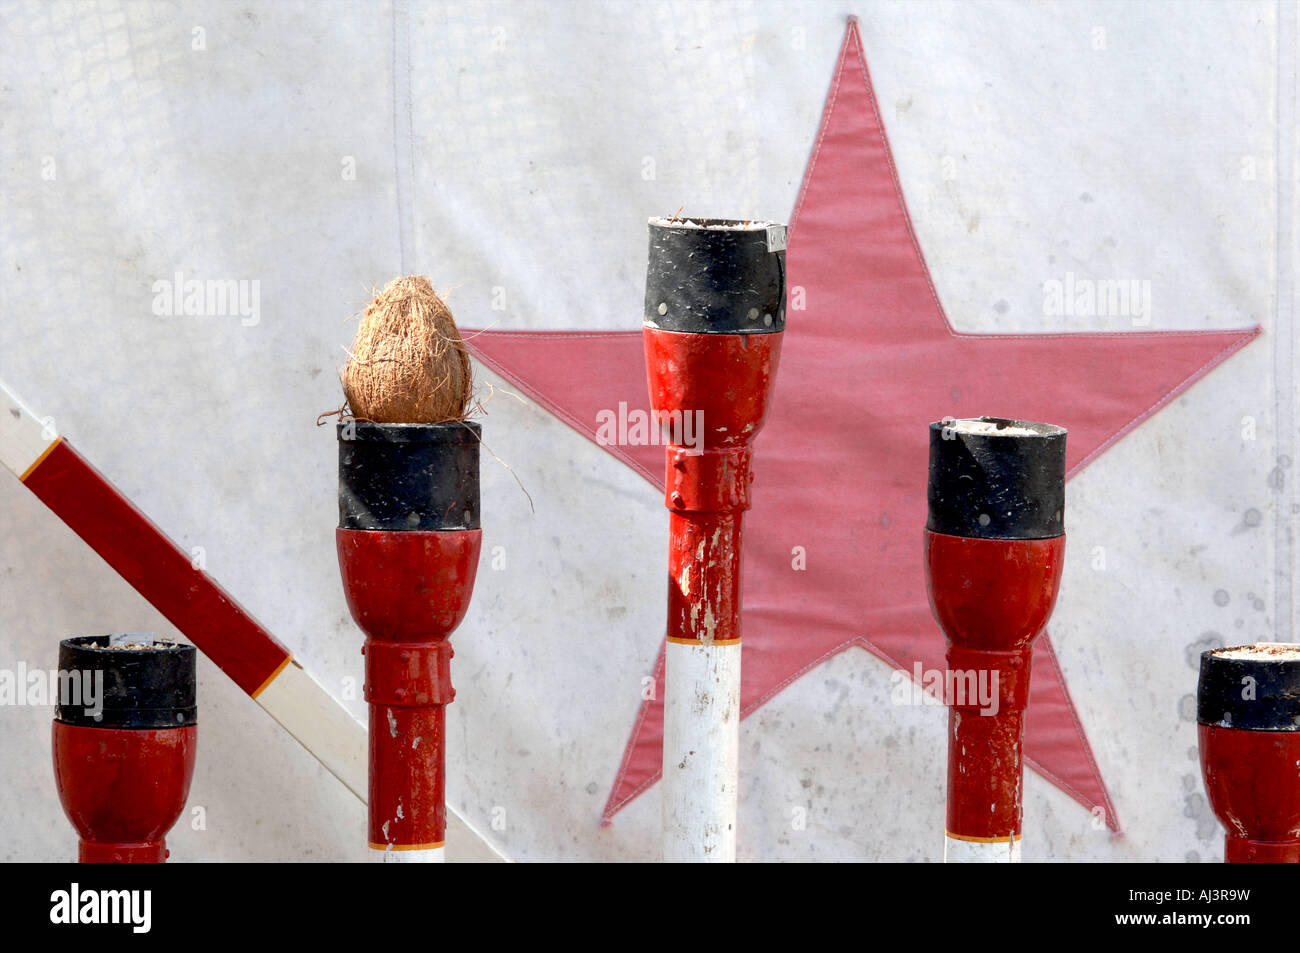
(125, 729)
(1248, 722)
(408, 547)
(714, 316)
(994, 550)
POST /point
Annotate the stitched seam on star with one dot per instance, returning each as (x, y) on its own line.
(1182, 385)
(613, 808)
(744, 713)
(920, 255)
(1050, 775)
(573, 422)
(1111, 814)
(821, 133)
(795, 676)
(898, 187)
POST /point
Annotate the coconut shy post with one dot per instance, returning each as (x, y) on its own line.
(1248, 726)
(408, 545)
(714, 316)
(125, 731)
(994, 551)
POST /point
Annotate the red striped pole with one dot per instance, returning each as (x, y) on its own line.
(994, 548)
(714, 313)
(1248, 725)
(190, 599)
(408, 548)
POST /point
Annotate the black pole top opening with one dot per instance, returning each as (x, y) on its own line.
(1251, 687)
(399, 477)
(128, 681)
(715, 276)
(996, 478)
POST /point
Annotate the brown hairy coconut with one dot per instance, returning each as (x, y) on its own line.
(408, 364)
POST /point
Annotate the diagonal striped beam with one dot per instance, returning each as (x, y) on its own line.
(191, 600)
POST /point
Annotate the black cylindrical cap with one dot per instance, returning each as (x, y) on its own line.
(409, 476)
(1252, 687)
(1007, 482)
(126, 681)
(715, 276)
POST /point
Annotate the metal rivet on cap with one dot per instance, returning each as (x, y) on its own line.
(984, 519)
(767, 319)
(753, 314)
(663, 307)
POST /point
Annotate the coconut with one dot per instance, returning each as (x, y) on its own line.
(408, 364)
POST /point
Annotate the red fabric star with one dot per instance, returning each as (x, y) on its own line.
(841, 467)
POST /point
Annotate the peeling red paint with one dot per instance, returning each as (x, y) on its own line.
(728, 380)
(408, 591)
(992, 598)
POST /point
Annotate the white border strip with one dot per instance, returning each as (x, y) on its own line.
(23, 436)
(324, 727)
(957, 851)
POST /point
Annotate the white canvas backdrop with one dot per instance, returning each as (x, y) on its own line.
(512, 152)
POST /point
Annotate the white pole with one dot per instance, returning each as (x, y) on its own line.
(701, 750)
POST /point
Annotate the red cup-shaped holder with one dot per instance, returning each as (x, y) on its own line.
(124, 743)
(1248, 726)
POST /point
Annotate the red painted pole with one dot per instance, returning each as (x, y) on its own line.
(1248, 727)
(408, 548)
(994, 550)
(715, 310)
(124, 746)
